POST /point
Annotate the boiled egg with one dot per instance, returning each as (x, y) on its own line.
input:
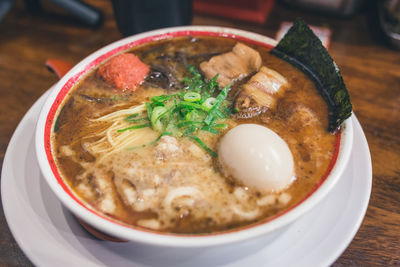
(257, 157)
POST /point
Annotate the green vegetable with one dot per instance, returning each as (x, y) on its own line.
(197, 107)
(211, 117)
(303, 49)
(192, 115)
(220, 114)
(201, 143)
(209, 103)
(221, 125)
(134, 127)
(149, 110)
(156, 116)
(162, 98)
(136, 120)
(209, 129)
(188, 123)
(190, 130)
(190, 105)
(194, 83)
(192, 97)
(131, 116)
(213, 84)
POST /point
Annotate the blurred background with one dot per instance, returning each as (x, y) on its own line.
(32, 31)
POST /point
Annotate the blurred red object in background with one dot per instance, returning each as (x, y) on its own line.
(248, 10)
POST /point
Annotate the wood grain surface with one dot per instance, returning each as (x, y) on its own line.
(370, 70)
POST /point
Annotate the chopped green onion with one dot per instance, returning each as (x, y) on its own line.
(209, 103)
(149, 110)
(204, 146)
(220, 125)
(134, 115)
(213, 84)
(170, 116)
(134, 127)
(158, 123)
(164, 113)
(220, 114)
(155, 117)
(192, 70)
(188, 123)
(138, 119)
(162, 98)
(190, 130)
(192, 97)
(190, 104)
(209, 129)
(221, 97)
(196, 107)
(192, 115)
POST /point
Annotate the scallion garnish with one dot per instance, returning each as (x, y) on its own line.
(201, 143)
(209, 129)
(221, 97)
(156, 117)
(220, 125)
(149, 110)
(199, 106)
(138, 119)
(192, 97)
(209, 103)
(134, 127)
(132, 116)
(188, 123)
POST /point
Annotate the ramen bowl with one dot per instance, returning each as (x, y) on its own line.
(92, 218)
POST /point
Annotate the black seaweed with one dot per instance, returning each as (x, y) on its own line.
(303, 49)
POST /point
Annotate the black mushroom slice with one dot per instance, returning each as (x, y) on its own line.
(164, 72)
(162, 77)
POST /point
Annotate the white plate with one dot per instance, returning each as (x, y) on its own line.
(50, 236)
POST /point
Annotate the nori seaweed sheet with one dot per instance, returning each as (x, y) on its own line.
(303, 49)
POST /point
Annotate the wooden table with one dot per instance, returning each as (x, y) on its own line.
(370, 70)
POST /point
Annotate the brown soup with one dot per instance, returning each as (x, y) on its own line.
(169, 182)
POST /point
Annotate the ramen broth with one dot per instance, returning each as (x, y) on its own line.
(172, 184)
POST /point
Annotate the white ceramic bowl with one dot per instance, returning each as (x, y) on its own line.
(113, 228)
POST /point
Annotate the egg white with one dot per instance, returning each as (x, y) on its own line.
(257, 157)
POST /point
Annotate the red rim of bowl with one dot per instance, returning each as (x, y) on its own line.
(66, 88)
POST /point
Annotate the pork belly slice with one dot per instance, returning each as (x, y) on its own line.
(261, 93)
(232, 66)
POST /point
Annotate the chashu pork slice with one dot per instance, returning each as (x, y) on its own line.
(232, 66)
(261, 92)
